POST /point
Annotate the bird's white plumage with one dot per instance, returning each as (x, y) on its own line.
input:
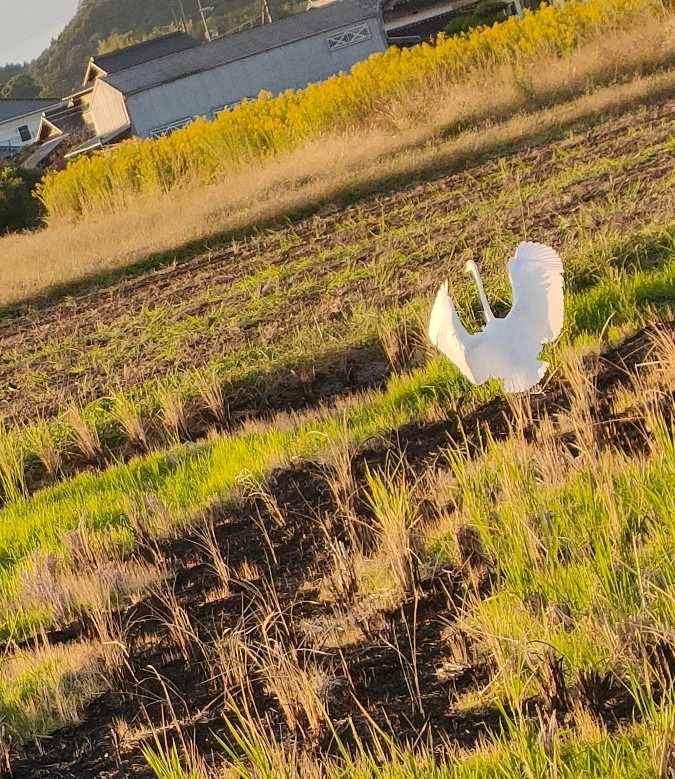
(447, 332)
(507, 348)
(536, 276)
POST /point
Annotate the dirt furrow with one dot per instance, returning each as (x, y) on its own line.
(81, 348)
(277, 550)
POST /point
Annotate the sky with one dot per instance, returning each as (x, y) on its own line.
(28, 26)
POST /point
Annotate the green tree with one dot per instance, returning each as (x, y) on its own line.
(19, 210)
(486, 13)
(7, 71)
(21, 85)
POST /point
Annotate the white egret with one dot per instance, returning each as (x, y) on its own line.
(507, 348)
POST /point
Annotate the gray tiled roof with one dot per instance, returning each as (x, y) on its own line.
(138, 53)
(240, 45)
(44, 150)
(11, 108)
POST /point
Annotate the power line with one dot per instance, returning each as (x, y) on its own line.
(34, 31)
(21, 9)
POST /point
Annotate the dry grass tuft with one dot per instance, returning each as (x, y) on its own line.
(578, 370)
(344, 490)
(394, 501)
(172, 411)
(206, 535)
(127, 413)
(408, 141)
(87, 582)
(40, 441)
(84, 435)
(209, 387)
(47, 686)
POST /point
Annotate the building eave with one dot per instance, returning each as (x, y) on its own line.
(44, 122)
(368, 12)
(91, 65)
(31, 113)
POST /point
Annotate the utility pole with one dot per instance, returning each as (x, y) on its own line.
(519, 8)
(206, 29)
(266, 15)
(182, 15)
(178, 20)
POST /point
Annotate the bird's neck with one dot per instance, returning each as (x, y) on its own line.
(489, 316)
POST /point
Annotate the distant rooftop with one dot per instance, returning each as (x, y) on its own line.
(406, 7)
(240, 45)
(146, 51)
(11, 108)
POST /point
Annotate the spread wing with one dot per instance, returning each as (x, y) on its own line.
(536, 275)
(447, 333)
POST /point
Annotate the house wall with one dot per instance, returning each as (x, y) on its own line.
(9, 130)
(291, 66)
(83, 103)
(108, 109)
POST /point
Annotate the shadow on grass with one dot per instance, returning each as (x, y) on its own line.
(346, 195)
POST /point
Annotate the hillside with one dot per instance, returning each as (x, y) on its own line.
(60, 68)
(254, 526)
(272, 549)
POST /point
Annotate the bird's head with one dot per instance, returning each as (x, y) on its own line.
(471, 267)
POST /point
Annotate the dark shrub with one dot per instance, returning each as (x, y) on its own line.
(488, 12)
(489, 9)
(19, 210)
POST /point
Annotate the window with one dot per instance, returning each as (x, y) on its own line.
(229, 106)
(348, 37)
(24, 132)
(166, 129)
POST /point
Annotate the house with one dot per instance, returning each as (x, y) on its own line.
(156, 96)
(19, 121)
(425, 18)
(69, 126)
(62, 126)
(136, 54)
(72, 115)
(408, 22)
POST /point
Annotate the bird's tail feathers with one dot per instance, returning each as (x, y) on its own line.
(522, 380)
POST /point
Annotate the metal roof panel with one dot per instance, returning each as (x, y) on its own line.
(240, 45)
(146, 51)
(11, 108)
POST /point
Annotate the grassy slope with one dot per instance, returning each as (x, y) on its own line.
(247, 316)
(576, 539)
(611, 280)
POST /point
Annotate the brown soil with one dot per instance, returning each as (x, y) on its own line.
(285, 550)
(80, 347)
(369, 673)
